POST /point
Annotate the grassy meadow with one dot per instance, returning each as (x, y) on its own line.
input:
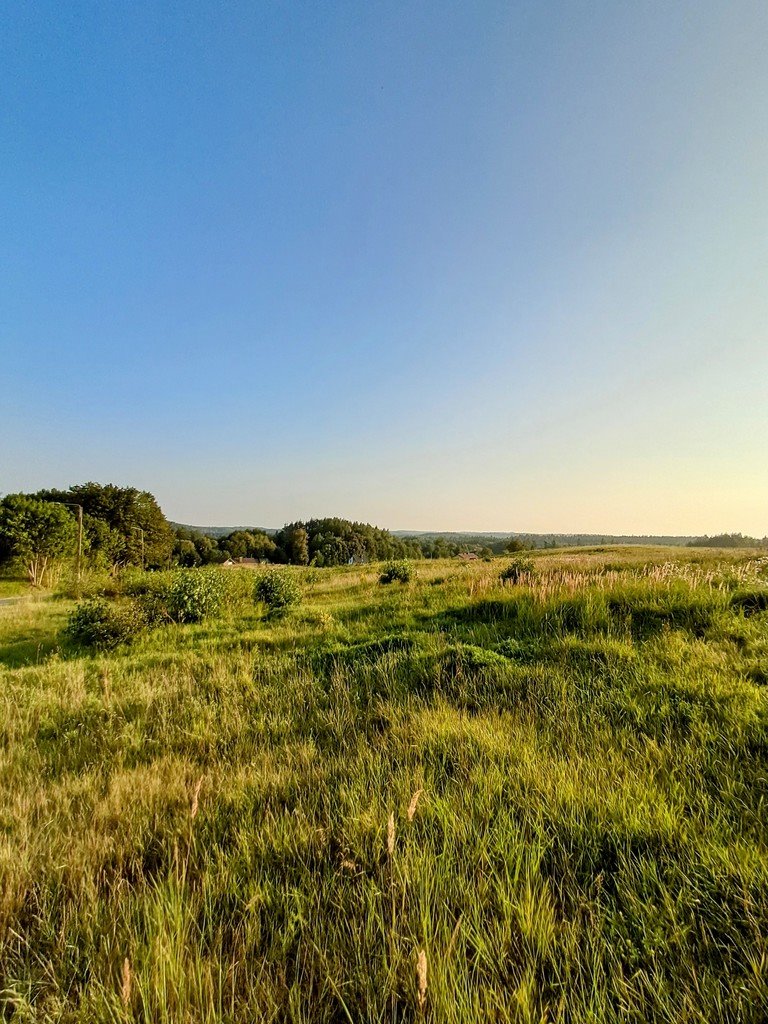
(453, 800)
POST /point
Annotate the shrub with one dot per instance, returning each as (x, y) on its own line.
(104, 626)
(278, 590)
(136, 582)
(238, 589)
(397, 572)
(516, 569)
(750, 602)
(154, 607)
(195, 594)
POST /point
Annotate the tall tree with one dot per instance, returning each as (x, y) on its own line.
(37, 534)
(134, 515)
(295, 543)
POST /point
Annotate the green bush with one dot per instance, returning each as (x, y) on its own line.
(278, 590)
(397, 572)
(195, 594)
(516, 569)
(136, 582)
(104, 626)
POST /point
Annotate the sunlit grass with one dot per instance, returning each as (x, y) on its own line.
(197, 827)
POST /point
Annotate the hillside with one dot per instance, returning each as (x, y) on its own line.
(455, 800)
(222, 531)
(561, 540)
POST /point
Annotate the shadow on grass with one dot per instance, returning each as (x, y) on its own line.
(28, 651)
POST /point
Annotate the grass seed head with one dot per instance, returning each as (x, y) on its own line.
(391, 835)
(125, 991)
(414, 802)
(196, 798)
(421, 977)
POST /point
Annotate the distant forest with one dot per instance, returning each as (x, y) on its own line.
(106, 527)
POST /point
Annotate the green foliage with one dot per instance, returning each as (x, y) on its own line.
(294, 543)
(186, 553)
(278, 590)
(36, 534)
(751, 602)
(728, 540)
(247, 544)
(103, 625)
(195, 594)
(329, 542)
(237, 809)
(516, 570)
(130, 514)
(397, 572)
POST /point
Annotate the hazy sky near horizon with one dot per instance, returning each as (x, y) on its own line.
(428, 265)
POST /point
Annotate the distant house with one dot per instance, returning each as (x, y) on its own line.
(468, 556)
(243, 561)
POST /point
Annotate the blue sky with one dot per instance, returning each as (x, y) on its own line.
(428, 265)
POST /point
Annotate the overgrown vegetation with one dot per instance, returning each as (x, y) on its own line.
(516, 570)
(194, 596)
(91, 530)
(397, 572)
(455, 801)
(104, 625)
(277, 590)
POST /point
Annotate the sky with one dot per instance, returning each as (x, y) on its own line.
(433, 266)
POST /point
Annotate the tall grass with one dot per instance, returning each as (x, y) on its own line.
(458, 802)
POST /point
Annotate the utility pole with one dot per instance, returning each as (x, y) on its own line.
(141, 531)
(79, 542)
(79, 562)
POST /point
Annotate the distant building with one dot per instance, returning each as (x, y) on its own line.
(468, 556)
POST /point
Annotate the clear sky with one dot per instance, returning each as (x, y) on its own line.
(492, 266)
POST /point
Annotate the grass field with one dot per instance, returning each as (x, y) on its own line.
(452, 800)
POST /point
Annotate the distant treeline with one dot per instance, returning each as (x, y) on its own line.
(320, 542)
(105, 527)
(728, 540)
(498, 543)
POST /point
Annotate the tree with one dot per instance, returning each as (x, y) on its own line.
(207, 549)
(336, 541)
(262, 545)
(248, 544)
(296, 544)
(237, 544)
(134, 515)
(37, 534)
(103, 544)
(186, 553)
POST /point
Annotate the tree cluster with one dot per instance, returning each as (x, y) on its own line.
(193, 548)
(728, 540)
(121, 526)
(338, 542)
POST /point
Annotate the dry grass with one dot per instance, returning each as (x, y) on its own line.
(461, 802)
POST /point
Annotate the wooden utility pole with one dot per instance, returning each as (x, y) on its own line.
(79, 542)
(141, 531)
(79, 562)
